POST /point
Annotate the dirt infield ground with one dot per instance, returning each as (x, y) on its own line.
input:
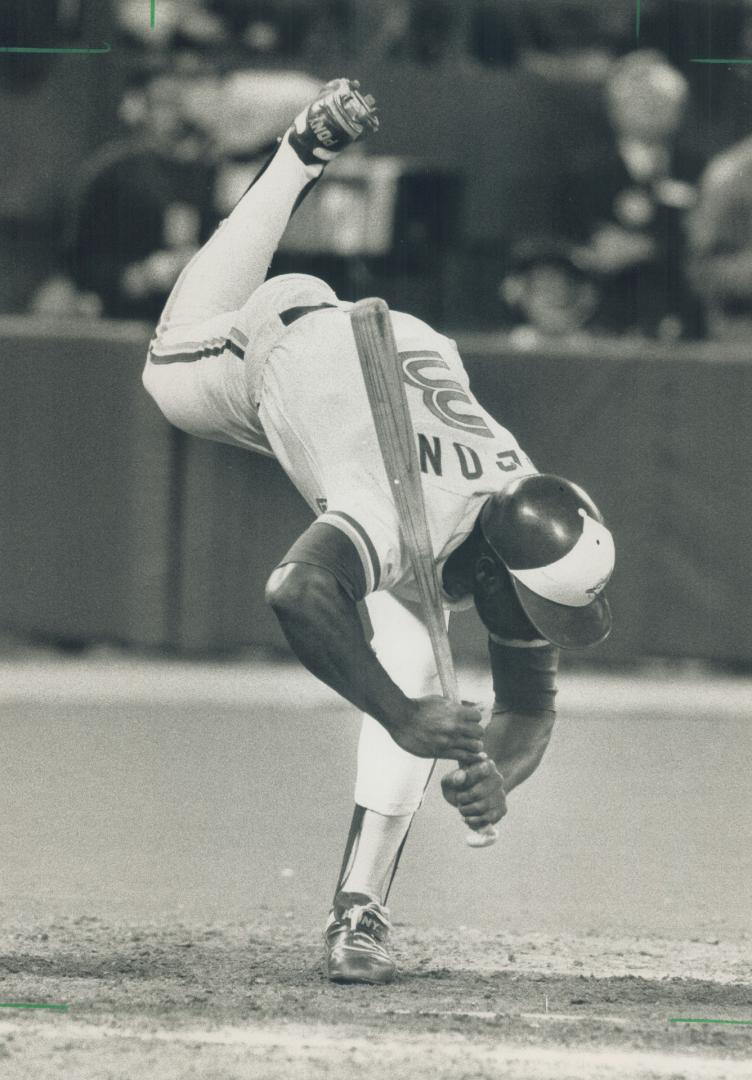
(168, 840)
(249, 1000)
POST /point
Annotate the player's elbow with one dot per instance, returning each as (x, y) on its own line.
(297, 591)
(283, 588)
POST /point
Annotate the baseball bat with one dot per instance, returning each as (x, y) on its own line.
(382, 374)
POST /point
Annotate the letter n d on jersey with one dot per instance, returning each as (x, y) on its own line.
(469, 461)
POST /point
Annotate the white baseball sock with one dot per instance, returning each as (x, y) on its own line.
(375, 851)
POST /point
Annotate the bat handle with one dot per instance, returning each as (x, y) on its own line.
(484, 837)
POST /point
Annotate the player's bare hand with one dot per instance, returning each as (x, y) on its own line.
(477, 791)
(438, 728)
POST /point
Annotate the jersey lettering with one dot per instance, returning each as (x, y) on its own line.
(430, 455)
(508, 460)
(472, 468)
(440, 394)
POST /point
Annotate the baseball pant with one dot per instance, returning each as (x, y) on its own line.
(215, 323)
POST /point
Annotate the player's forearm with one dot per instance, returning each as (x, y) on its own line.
(517, 743)
(323, 628)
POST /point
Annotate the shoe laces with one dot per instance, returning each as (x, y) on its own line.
(366, 912)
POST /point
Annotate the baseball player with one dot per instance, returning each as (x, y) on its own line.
(272, 366)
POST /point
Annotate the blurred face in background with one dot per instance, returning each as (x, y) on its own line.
(154, 108)
(646, 98)
(554, 298)
(163, 116)
(176, 110)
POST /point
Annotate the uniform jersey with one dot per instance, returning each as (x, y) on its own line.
(313, 407)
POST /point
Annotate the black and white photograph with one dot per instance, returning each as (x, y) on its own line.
(376, 539)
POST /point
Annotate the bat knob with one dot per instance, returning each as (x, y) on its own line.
(483, 837)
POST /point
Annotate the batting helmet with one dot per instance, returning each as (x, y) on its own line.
(552, 539)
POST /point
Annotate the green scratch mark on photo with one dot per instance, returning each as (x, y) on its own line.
(30, 49)
(685, 1020)
(31, 1005)
(713, 60)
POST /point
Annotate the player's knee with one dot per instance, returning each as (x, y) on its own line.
(410, 662)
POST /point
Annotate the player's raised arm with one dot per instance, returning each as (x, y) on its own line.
(320, 620)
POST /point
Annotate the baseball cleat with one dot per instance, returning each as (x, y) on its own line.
(356, 941)
(338, 117)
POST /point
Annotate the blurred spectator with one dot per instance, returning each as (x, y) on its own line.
(178, 23)
(251, 110)
(46, 23)
(496, 32)
(140, 207)
(552, 297)
(421, 31)
(141, 204)
(575, 39)
(278, 29)
(721, 244)
(684, 29)
(628, 203)
(429, 38)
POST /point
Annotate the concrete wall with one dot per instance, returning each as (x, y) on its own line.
(115, 527)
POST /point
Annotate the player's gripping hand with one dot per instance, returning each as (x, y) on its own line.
(477, 790)
(439, 728)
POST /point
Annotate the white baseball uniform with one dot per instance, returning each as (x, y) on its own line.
(273, 367)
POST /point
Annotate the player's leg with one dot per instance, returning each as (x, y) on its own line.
(389, 789)
(235, 261)
(215, 323)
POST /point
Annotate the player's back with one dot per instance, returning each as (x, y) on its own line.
(315, 410)
(314, 369)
